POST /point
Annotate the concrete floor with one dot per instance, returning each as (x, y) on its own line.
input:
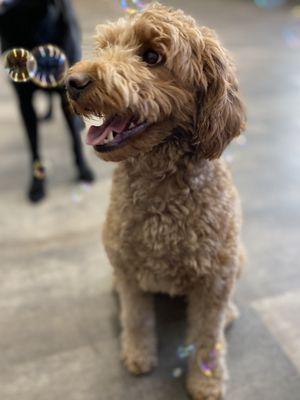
(58, 318)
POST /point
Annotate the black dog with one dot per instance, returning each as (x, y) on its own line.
(27, 24)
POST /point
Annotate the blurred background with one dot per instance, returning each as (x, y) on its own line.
(58, 317)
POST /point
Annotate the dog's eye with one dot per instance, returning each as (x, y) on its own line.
(151, 57)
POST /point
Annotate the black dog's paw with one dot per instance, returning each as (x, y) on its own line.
(85, 174)
(37, 190)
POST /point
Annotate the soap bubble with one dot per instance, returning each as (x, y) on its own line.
(18, 63)
(241, 140)
(177, 372)
(291, 35)
(269, 3)
(184, 351)
(133, 6)
(209, 366)
(291, 32)
(52, 66)
(229, 158)
(78, 194)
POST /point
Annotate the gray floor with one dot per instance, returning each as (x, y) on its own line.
(58, 317)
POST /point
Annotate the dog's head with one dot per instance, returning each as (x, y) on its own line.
(11, 6)
(155, 74)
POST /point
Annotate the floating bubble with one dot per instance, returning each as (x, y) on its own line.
(291, 35)
(241, 140)
(133, 6)
(77, 195)
(269, 3)
(209, 366)
(51, 66)
(177, 373)
(86, 187)
(228, 157)
(18, 63)
(184, 351)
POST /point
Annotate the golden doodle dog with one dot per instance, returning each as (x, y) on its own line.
(168, 94)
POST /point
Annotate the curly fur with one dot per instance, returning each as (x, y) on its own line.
(174, 219)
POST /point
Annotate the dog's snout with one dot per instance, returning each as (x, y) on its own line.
(76, 83)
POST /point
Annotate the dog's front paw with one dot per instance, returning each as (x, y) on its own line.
(205, 388)
(139, 361)
(209, 385)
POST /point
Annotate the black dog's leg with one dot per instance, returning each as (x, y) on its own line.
(37, 185)
(75, 125)
(25, 97)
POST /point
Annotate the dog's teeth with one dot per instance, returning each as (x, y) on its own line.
(132, 125)
(110, 136)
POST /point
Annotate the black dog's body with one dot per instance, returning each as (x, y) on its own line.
(30, 23)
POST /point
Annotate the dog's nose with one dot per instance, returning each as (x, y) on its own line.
(76, 83)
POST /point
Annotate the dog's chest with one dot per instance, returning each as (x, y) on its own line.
(151, 232)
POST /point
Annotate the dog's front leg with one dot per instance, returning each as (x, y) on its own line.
(206, 313)
(139, 351)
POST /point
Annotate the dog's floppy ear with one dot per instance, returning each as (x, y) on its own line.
(220, 115)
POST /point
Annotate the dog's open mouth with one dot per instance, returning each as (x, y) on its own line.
(114, 132)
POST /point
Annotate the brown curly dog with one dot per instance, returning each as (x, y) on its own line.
(168, 94)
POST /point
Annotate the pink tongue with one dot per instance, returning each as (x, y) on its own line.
(97, 134)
